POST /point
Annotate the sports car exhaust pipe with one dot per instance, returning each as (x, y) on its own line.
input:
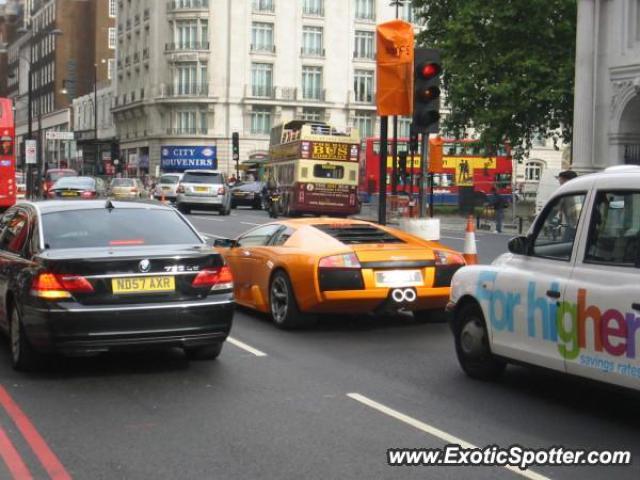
(403, 295)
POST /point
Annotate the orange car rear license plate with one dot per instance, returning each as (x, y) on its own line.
(121, 286)
(399, 278)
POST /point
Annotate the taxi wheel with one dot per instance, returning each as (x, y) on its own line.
(209, 352)
(23, 356)
(472, 345)
(282, 303)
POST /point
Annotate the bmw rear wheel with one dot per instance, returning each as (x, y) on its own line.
(23, 356)
(282, 301)
(472, 345)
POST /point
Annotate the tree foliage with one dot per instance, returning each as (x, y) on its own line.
(508, 66)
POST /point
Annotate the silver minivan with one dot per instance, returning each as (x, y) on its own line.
(203, 190)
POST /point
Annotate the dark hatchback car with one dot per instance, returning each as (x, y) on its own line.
(78, 187)
(88, 277)
(247, 195)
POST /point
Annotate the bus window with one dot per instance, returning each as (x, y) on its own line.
(328, 171)
(503, 180)
(443, 180)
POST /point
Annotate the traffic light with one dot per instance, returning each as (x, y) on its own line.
(426, 98)
(235, 145)
(414, 139)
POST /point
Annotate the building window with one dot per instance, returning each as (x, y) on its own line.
(186, 35)
(262, 37)
(313, 7)
(365, 10)
(112, 37)
(404, 127)
(186, 79)
(363, 86)
(312, 83)
(261, 120)
(533, 171)
(204, 32)
(110, 67)
(364, 47)
(186, 122)
(262, 80)
(312, 114)
(113, 9)
(263, 5)
(364, 123)
(312, 41)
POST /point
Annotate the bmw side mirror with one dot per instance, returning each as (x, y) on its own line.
(225, 243)
(519, 245)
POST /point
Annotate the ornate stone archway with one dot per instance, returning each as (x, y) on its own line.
(624, 137)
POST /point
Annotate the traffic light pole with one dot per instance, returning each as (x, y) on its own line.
(382, 200)
(394, 168)
(423, 177)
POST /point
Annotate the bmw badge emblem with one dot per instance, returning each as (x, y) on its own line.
(144, 266)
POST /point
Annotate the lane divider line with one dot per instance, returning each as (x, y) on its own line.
(246, 347)
(12, 458)
(252, 224)
(47, 458)
(433, 431)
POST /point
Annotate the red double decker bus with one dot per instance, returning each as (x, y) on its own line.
(8, 187)
(464, 172)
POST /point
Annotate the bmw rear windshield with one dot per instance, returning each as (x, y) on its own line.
(115, 228)
(75, 182)
(202, 177)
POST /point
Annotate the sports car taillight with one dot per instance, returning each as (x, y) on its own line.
(347, 260)
(448, 258)
(218, 278)
(56, 286)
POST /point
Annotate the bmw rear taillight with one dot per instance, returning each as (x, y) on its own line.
(218, 278)
(347, 260)
(57, 286)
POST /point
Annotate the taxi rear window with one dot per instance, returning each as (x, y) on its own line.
(116, 227)
(351, 234)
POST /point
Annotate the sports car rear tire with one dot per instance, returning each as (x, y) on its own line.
(283, 305)
(472, 345)
(209, 352)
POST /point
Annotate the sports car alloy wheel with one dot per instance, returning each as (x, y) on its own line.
(279, 300)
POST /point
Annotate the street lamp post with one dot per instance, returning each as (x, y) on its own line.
(95, 115)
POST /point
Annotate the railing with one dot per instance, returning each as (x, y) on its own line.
(313, 11)
(264, 6)
(362, 97)
(260, 91)
(312, 52)
(370, 15)
(187, 46)
(316, 94)
(186, 90)
(364, 55)
(632, 154)
(263, 48)
(187, 5)
(187, 131)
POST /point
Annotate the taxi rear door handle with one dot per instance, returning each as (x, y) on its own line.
(553, 294)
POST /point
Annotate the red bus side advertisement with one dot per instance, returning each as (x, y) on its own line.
(7, 155)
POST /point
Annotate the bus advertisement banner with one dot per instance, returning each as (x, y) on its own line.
(465, 168)
(341, 152)
(326, 195)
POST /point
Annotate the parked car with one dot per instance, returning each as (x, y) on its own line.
(127, 189)
(293, 268)
(567, 295)
(203, 190)
(166, 186)
(105, 275)
(53, 175)
(78, 187)
(21, 185)
(248, 195)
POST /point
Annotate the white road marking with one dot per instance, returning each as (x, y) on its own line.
(452, 238)
(442, 435)
(246, 347)
(253, 224)
(206, 217)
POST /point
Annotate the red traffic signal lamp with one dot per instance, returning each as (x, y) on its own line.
(426, 95)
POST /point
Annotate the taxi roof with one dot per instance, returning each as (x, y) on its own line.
(585, 182)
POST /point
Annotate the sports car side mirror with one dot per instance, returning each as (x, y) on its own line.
(519, 245)
(225, 243)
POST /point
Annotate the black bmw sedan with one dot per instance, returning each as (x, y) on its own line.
(88, 277)
(247, 194)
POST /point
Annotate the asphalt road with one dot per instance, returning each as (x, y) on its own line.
(304, 404)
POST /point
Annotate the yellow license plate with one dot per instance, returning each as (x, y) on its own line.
(143, 285)
(201, 189)
(69, 194)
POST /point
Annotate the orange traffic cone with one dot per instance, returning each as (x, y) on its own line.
(470, 253)
(162, 198)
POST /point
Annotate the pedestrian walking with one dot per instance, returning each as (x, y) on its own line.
(498, 203)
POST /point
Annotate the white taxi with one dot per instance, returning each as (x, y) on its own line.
(567, 295)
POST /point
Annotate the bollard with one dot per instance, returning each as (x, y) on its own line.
(520, 225)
